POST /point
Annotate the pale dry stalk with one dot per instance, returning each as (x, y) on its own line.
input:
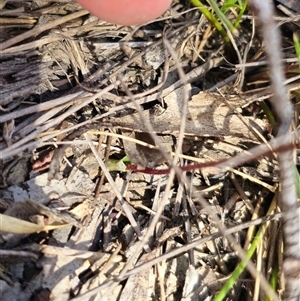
(284, 113)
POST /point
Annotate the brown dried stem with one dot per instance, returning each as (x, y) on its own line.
(284, 112)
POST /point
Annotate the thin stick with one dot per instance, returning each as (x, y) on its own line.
(177, 251)
(284, 113)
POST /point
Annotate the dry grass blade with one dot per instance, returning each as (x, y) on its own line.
(118, 194)
(37, 30)
(177, 230)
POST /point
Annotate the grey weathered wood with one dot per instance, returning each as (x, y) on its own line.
(209, 115)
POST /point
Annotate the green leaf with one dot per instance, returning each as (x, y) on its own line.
(297, 45)
(116, 165)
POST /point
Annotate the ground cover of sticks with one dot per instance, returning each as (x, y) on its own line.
(141, 163)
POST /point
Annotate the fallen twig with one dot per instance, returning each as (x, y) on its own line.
(284, 113)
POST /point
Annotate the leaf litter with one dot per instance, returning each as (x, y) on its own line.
(66, 78)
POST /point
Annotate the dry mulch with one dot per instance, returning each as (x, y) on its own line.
(70, 86)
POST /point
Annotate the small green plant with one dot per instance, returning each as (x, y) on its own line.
(220, 14)
(297, 45)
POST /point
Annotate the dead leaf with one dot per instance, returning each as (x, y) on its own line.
(11, 224)
(143, 155)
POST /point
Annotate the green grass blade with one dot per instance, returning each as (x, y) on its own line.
(211, 18)
(230, 4)
(241, 266)
(297, 46)
(239, 269)
(268, 113)
(273, 279)
(222, 17)
(241, 13)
